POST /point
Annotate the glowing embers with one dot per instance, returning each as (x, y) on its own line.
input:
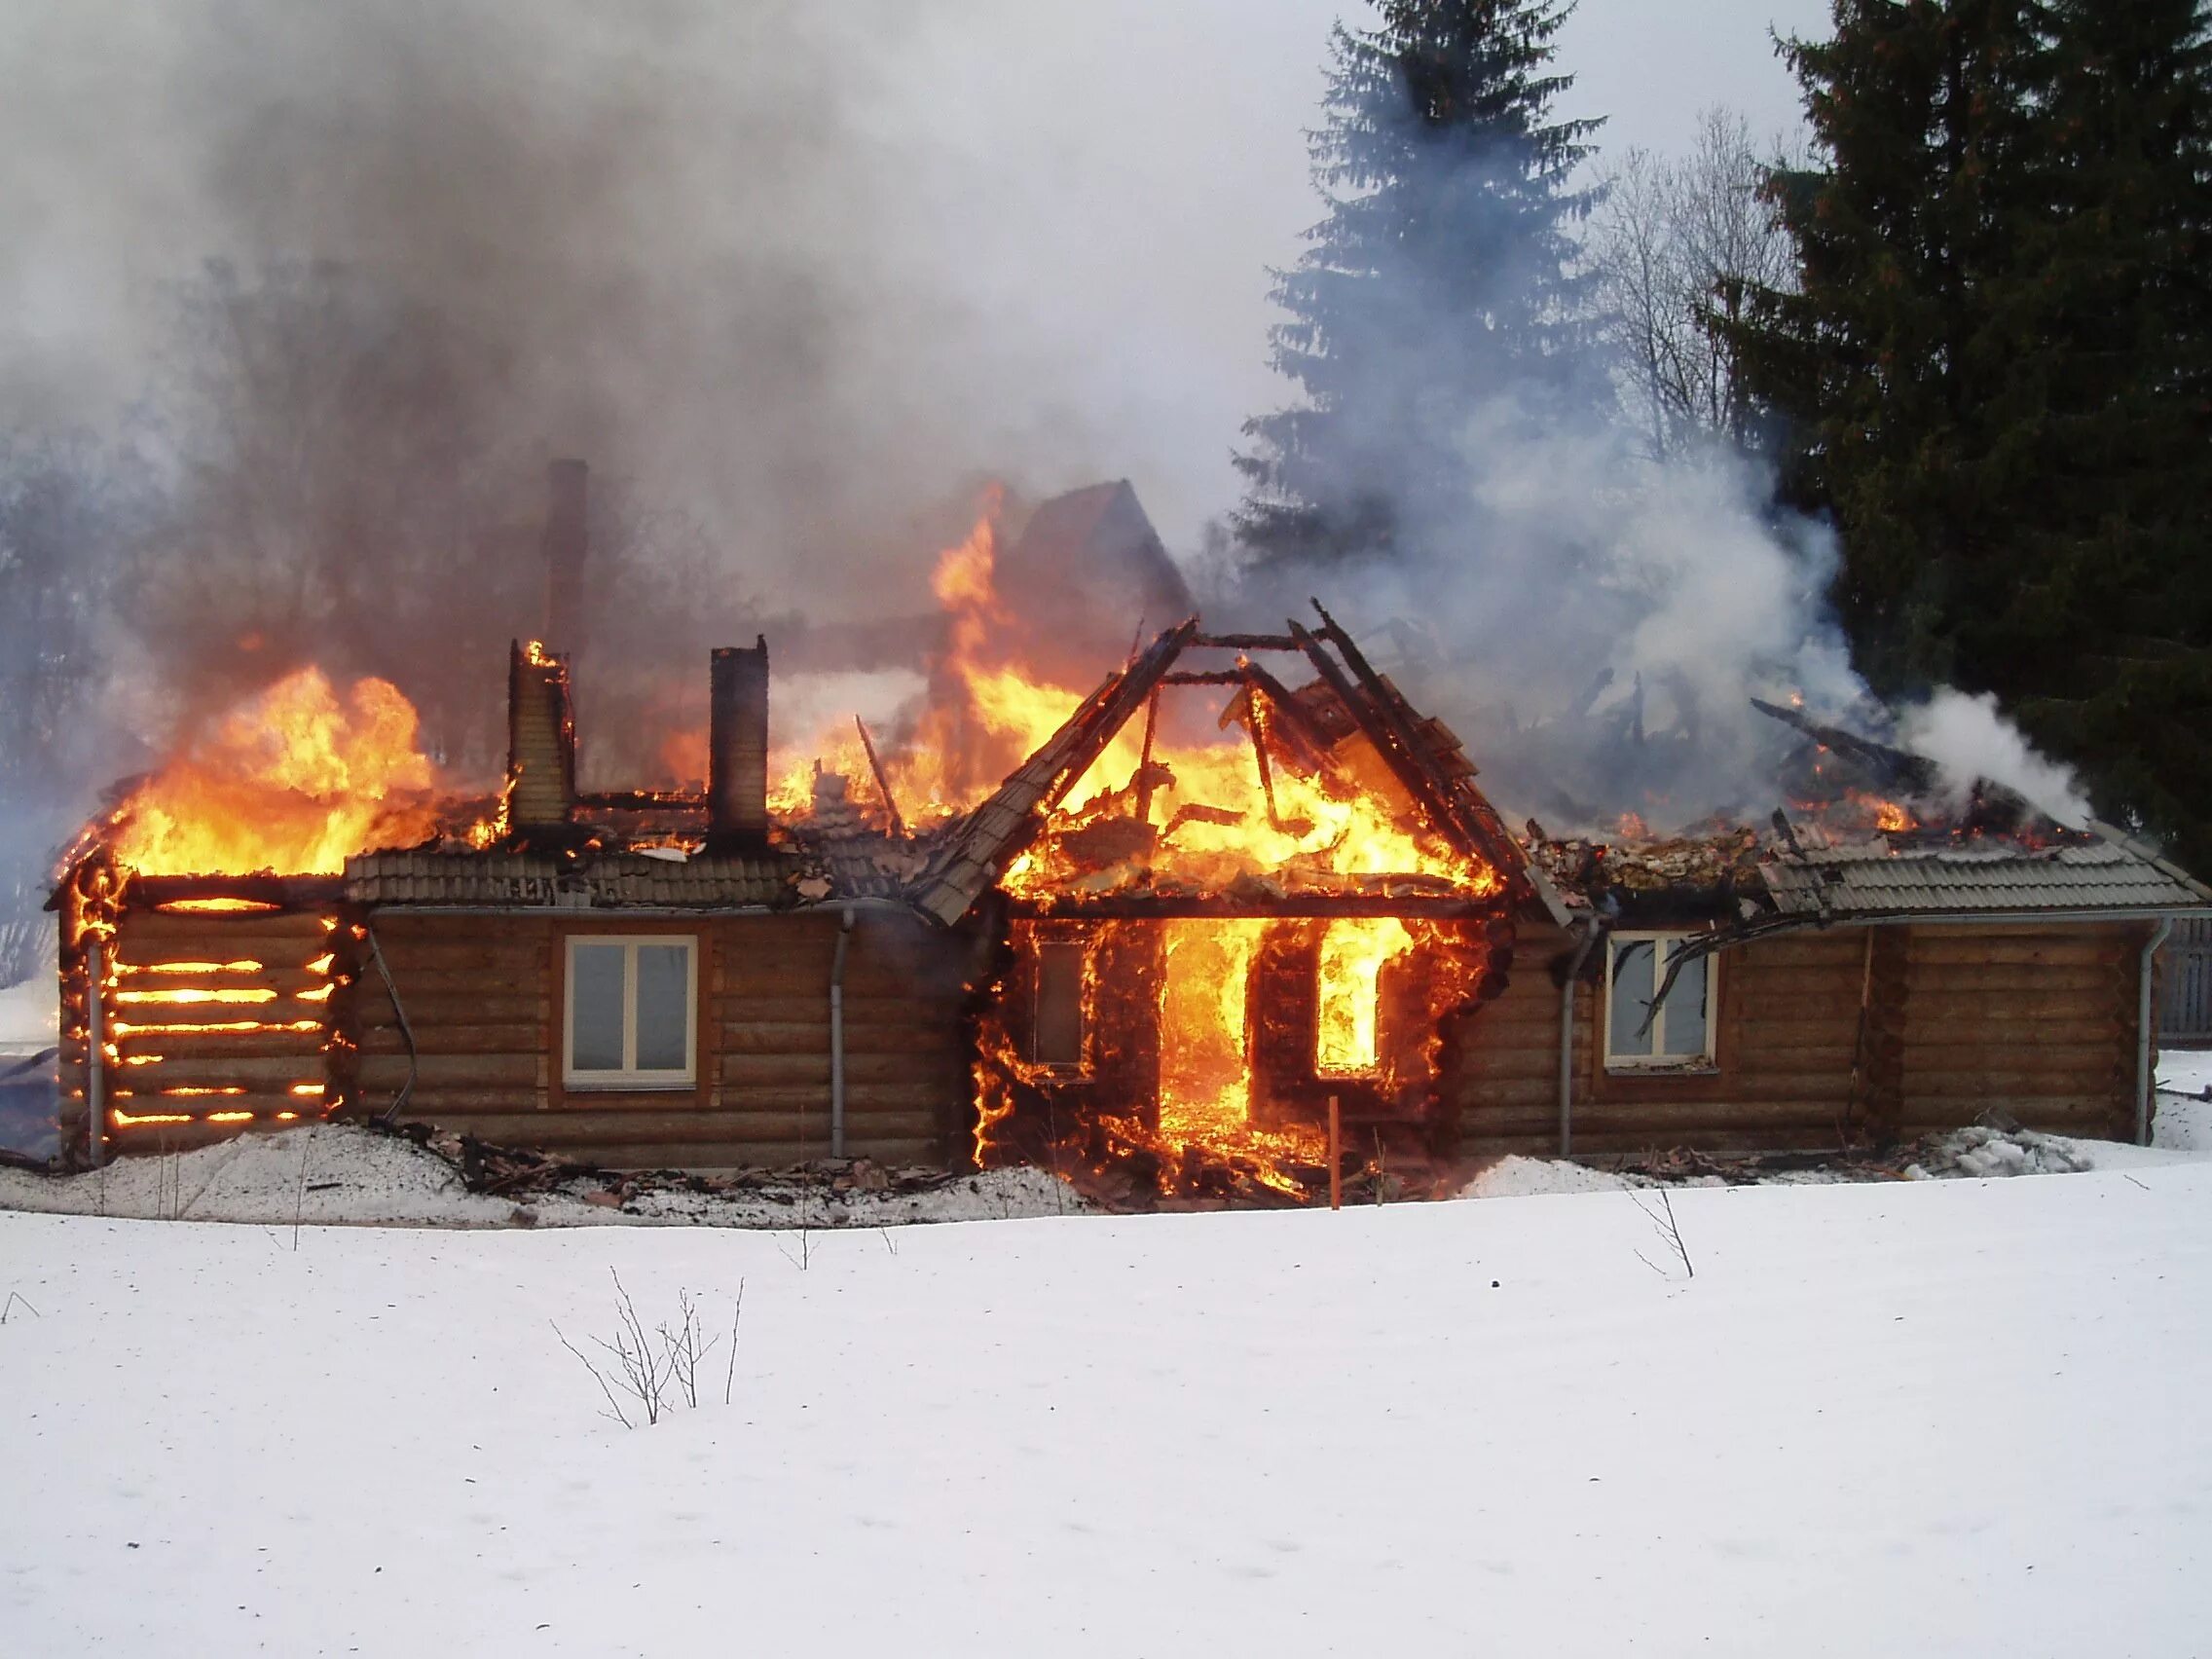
(217, 906)
(1349, 986)
(197, 994)
(213, 1027)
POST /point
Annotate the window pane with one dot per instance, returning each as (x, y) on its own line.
(1684, 1012)
(594, 1016)
(1632, 997)
(664, 1006)
(1058, 1035)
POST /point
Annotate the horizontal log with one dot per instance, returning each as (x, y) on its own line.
(148, 922)
(511, 1037)
(463, 956)
(2059, 1114)
(1824, 1030)
(568, 1130)
(389, 1071)
(195, 1070)
(749, 1071)
(860, 1011)
(2113, 932)
(177, 1045)
(264, 1108)
(285, 1012)
(1797, 977)
(1834, 951)
(2010, 1015)
(1625, 1087)
(2016, 978)
(2107, 1082)
(415, 985)
(426, 1013)
(1750, 1058)
(1481, 1093)
(2017, 949)
(1927, 1052)
(923, 1040)
(403, 931)
(911, 1094)
(1691, 1122)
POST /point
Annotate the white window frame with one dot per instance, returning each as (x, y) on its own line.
(630, 1076)
(1708, 1058)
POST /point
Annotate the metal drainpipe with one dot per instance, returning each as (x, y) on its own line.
(2143, 1077)
(838, 1038)
(1590, 930)
(95, 1048)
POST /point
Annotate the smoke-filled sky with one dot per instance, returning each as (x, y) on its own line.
(804, 269)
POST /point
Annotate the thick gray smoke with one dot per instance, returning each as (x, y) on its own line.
(783, 273)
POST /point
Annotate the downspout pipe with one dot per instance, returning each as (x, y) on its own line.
(2145, 1081)
(1591, 928)
(838, 1037)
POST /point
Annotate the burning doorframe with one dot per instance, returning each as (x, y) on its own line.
(1097, 886)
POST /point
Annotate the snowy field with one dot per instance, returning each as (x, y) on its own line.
(1957, 1416)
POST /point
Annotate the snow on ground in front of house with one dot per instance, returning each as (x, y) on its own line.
(30, 1016)
(341, 1172)
(1960, 1418)
(2185, 1071)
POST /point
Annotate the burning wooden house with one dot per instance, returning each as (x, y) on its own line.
(1168, 932)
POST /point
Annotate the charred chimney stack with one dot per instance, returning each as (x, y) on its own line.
(737, 748)
(542, 741)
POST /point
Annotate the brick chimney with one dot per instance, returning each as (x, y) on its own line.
(542, 739)
(737, 748)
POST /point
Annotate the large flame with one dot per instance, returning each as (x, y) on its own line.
(293, 780)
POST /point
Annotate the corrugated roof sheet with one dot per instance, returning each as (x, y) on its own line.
(1873, 880)
(608, 879)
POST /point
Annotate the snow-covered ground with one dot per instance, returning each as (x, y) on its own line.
(345, 1173)
(1956, 1416)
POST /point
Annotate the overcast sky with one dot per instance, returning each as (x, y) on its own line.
(804, 266)
(1177, 123)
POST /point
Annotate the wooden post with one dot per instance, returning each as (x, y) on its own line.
(1336, 1156)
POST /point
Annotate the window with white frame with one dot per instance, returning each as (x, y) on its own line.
(631, 1012)
(1679, 1032)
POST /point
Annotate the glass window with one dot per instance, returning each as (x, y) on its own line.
(1633, 983)
(630, 1013)
(595, 1007)
(664, 1007)
(1679, 1032)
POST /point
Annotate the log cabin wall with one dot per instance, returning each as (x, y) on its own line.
(483, 996)
(2038, 1022)
(215, 1023)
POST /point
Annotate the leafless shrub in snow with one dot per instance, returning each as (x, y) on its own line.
(642, 1376)
(1658, 1207)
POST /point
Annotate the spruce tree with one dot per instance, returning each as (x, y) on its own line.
(1994, 373)
(2119, 373)
(1441, 284)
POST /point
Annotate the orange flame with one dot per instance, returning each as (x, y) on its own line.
(293, 780)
